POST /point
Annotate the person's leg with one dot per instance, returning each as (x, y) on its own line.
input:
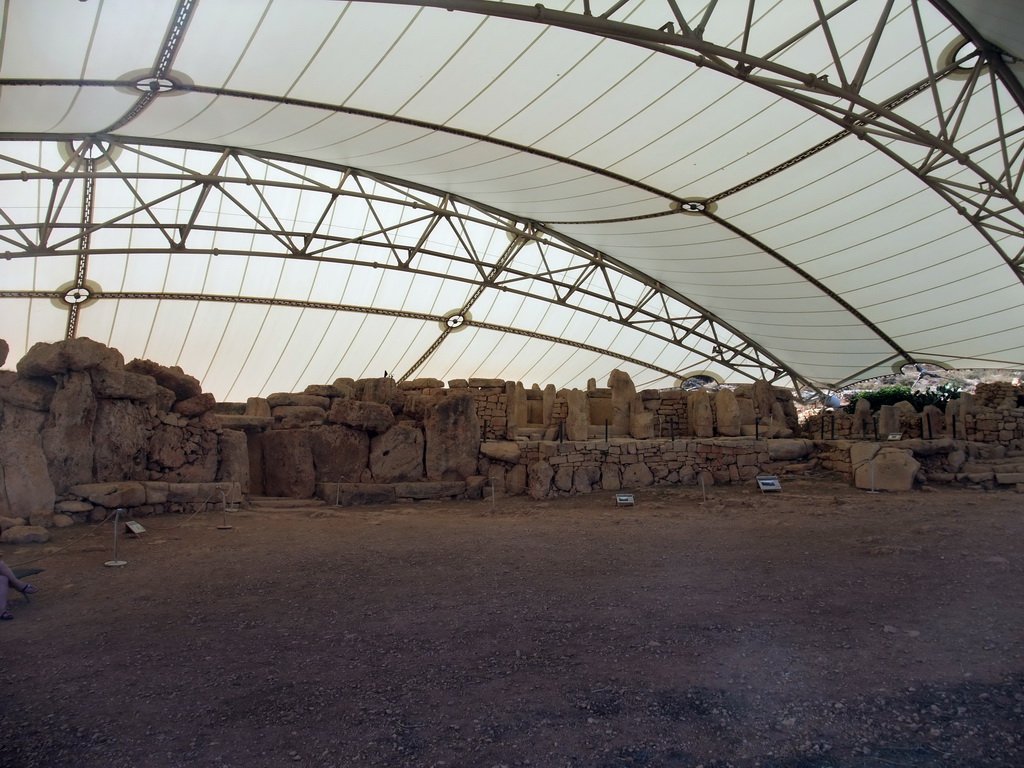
(3, 596)
(9, 578)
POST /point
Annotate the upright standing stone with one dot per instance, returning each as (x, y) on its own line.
(516, 412)
(380, 390)
(888, 420)
(67, 436)
(641, 421)
(540, 474)
(27, 484)
(727, 411)
(577, 417)
(288, 464)
(698, 409)
(233, 466)
(764, 398)
(931, 422)
(623, 397)
(122, 431)
(748, 417)
(548, 400)
(452, 433)
(397, 455)
(863, 419)
(340, 454)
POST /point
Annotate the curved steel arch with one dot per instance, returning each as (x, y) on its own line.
(992, 204)
(592, 283)
(994, 208)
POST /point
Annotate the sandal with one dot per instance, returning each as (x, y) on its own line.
(6, 616)
(28, 589)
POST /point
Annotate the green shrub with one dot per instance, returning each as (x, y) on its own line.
(937, 396)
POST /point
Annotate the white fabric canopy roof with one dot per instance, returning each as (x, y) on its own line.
(277, 193)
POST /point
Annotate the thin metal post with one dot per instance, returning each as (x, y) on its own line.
(606, 430)
(117, 524)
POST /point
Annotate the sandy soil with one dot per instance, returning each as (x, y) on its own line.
(819, 626)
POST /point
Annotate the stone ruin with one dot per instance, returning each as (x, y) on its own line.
(83, 433)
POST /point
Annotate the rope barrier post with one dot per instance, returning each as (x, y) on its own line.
(114, 563)
(224, 511)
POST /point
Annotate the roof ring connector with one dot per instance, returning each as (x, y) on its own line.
(540, 11)
(154, 85)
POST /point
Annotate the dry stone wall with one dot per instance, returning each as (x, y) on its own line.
(75, 417)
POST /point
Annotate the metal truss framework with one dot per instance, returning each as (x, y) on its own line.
(939, 151)
(976, 171)
(408, 226)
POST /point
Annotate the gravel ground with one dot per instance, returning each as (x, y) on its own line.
(820, 626)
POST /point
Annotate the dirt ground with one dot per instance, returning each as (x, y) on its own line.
(819, 626)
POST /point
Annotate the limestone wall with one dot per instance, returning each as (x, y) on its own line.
(994, 413)
(74, 413)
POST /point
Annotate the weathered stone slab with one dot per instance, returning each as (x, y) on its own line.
(67, 437)
(71, 506)
(26, 477)
(1009, 478)
(787, 450)
(452, 436)
(585, 478)
(637, 475)
(298, 416)
(195, 493)
(122, 430)
(501, 450)
(515, 480)
(397, 455)
(298, 399)
(195, 406)
(476, 485)
(727, 413)
(111, 495)
(354, 494)
(288, 463)
(156, 491)
(358, 414)
(430, 490)
(539, 475)
(699, 414)
(890, 470)
(379, 390)
(563, 478)
(126, 385)
(245, 423)
(234, 460)
(623, 393)
(81, 354)
(257, 406)
(12, 522)
(340, 454)
(173, 378)
(611, 478)
(32, 394)
(577, 419)
(25, 534)
(323, 390)
(41, 518)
